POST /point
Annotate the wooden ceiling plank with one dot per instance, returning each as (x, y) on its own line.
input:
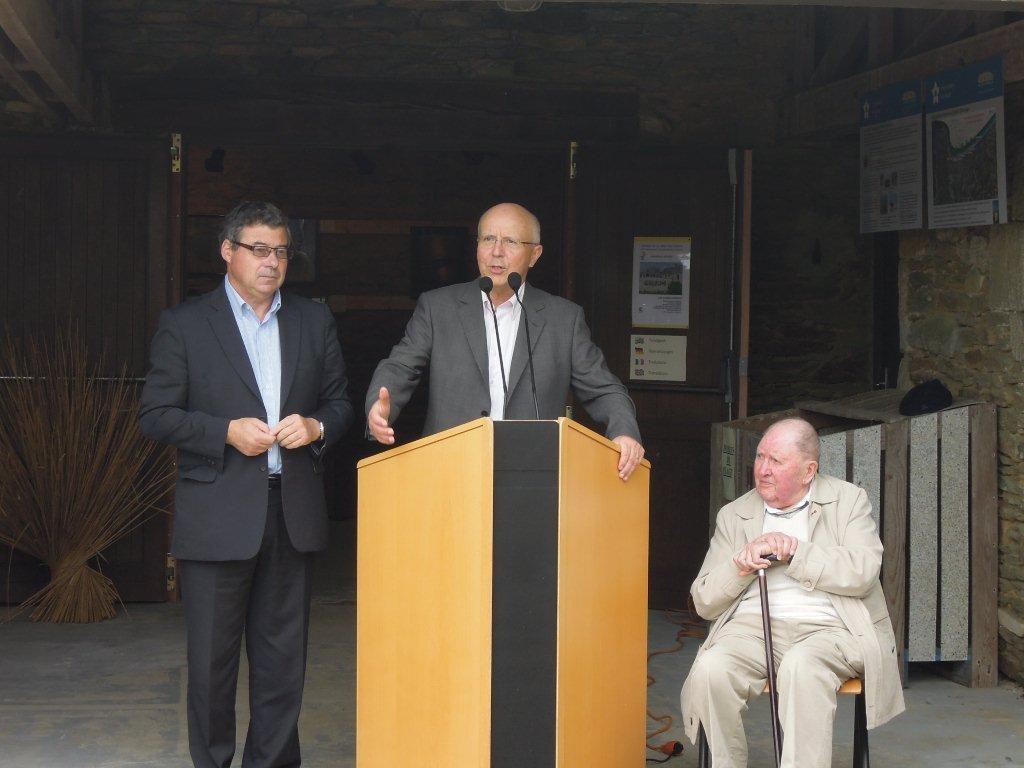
(835, 106)
(881, 36)
(983, 22)
(842, 51)
(944, 28)
(803, 48)
(32, 27)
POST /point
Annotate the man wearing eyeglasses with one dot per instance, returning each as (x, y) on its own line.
(249, 385)
(479, 370)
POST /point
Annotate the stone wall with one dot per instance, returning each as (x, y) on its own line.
(810, 284)
(962, 321)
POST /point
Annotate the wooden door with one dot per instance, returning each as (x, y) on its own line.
(618, 195)
(84, 227)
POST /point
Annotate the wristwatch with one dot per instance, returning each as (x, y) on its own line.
(321, 430)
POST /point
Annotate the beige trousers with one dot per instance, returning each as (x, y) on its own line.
(812, 659)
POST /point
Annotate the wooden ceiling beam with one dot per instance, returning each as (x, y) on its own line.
(350, 113)
(35, 31)
(835, 107)
(973, 5)
(12, 73)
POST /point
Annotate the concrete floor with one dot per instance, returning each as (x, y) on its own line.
(111, 695)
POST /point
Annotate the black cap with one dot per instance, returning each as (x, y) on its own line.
(928, 397)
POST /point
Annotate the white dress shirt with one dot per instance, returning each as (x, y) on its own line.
(508, 315)
(263, 346)
(787, 598)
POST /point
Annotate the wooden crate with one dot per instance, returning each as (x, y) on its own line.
(931, 481)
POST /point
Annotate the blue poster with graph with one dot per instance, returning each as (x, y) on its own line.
(966, 152)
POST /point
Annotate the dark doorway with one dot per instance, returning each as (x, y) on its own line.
(886, 354)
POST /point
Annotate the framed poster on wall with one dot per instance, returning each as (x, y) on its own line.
(661, 282)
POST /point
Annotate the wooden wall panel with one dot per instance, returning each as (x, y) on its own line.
(6, 233)
(83, 223)
(75, 218)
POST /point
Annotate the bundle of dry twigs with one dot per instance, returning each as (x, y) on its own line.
(75, 474)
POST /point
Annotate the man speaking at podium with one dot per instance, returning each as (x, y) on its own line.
(474, 337)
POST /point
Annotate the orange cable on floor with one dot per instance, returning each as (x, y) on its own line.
(690, 626)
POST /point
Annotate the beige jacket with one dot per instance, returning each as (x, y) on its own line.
(843, 557)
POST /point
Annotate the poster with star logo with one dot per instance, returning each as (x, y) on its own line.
(966, 146)
(890, 159)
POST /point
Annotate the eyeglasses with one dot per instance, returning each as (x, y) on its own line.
(261, 251)
(489, 241)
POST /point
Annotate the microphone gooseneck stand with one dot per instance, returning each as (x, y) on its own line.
(514, 281)
(487, 285)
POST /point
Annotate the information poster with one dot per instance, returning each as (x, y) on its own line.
(658, 358)
(729, 463)
(890, 159)
(966, 153)
(661, 282)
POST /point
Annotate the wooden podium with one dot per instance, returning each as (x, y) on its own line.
(502, 601)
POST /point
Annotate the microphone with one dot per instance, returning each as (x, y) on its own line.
(487, 285)
(514, 281)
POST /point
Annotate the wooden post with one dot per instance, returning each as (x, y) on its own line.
(744, 286)
(894, 533)
(168, 282)
(569, 225)
(984, 660)
(716, 498)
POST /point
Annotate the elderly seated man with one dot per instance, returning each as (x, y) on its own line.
(829, 617)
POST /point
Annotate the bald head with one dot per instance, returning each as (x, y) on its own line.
(507, 241)
(515, 212)
(799, 433)
(786, 462)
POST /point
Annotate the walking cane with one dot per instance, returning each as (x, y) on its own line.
(769, 657)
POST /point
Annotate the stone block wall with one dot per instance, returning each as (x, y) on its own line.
(962, 321)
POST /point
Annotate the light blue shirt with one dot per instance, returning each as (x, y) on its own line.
(263, 345)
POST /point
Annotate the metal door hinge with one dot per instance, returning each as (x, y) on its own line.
(573, 148)
(172, 574)
(175, 153)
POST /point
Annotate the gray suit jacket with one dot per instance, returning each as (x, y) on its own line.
(199, 379)
(446, 335)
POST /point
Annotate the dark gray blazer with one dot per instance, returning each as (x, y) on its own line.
(199, 379)
(446, 334)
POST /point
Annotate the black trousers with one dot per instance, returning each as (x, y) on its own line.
(267, 597)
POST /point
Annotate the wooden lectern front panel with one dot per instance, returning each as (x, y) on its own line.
(602, 606)
(424, 602)
(502, 601)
